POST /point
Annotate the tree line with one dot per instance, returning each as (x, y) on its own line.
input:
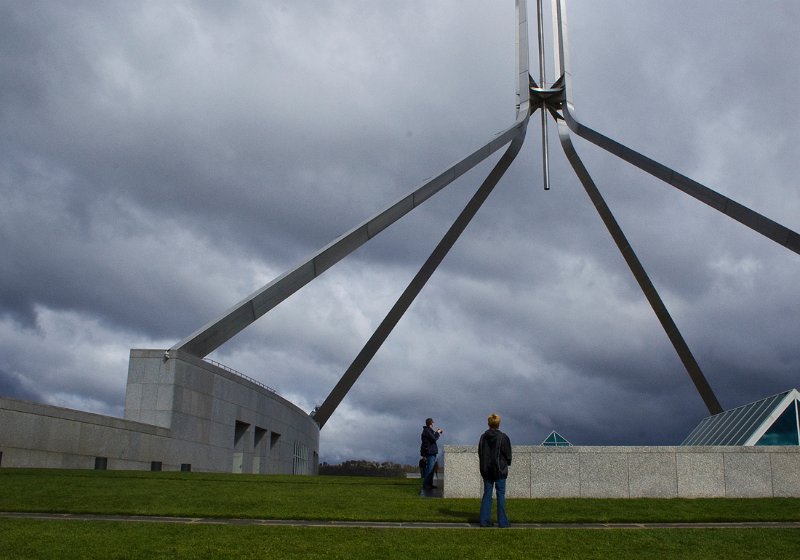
(366, 468)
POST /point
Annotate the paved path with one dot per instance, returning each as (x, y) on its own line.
(388, 524)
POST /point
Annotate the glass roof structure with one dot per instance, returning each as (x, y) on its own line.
(771, 421)
(556, 440)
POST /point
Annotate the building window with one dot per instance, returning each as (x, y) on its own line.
(301, 464)
(784, 431)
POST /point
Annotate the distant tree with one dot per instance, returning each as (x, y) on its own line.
(365, 468)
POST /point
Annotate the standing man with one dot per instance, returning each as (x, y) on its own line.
(428, 450)
(494, 454)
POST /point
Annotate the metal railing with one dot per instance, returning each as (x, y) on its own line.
(240, 374)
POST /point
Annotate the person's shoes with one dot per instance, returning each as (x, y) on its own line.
(433, 486)
(486, 524)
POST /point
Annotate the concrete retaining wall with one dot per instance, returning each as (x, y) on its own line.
(632, 472)
(44, 436)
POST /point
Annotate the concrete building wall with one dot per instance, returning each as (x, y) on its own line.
(632, 472)
(225, 422)
(180, 411)
(38, 435)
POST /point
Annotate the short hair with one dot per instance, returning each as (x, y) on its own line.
(494, 420)
(428, 421)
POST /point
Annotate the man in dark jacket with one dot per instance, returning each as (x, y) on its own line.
(494, 454)
(428, 450)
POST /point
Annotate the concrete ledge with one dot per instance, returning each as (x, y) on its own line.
(50, 411)
(633, 472)
(38, 435)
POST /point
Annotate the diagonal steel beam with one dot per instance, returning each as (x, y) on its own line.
(215, 333)
(211, 336)
(757, 222)
(351, 375)
(649, 290)
(633, 262)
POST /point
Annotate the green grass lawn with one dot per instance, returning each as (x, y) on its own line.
(335, 498)
(366, 499)
(26, 539)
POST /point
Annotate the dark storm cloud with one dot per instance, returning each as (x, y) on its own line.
(158, 162)
(14, 387)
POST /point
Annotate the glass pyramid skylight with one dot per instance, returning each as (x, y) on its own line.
(557, 440)
(771, 421)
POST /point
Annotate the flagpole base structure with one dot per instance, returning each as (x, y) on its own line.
(554, 100)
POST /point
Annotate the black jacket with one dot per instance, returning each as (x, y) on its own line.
(428, 445)
(494, 454)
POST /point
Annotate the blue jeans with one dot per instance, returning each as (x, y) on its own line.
(486, 503)
(427, 476)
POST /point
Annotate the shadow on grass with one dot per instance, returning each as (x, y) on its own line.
(462, 515)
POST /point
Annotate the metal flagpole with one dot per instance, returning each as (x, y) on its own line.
(545, 158)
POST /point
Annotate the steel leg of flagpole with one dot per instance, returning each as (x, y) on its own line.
(324, 411)
(669, 326)
(742, 214)
(351, 375)
(639, 273)
(211, 336)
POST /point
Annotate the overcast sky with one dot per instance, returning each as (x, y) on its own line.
(159, 161)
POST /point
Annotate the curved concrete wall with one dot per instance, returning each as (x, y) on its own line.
(219, 420)
(632, 472)
(180, 413)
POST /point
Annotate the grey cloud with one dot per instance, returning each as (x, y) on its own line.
(14, 387)
(161, 161)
